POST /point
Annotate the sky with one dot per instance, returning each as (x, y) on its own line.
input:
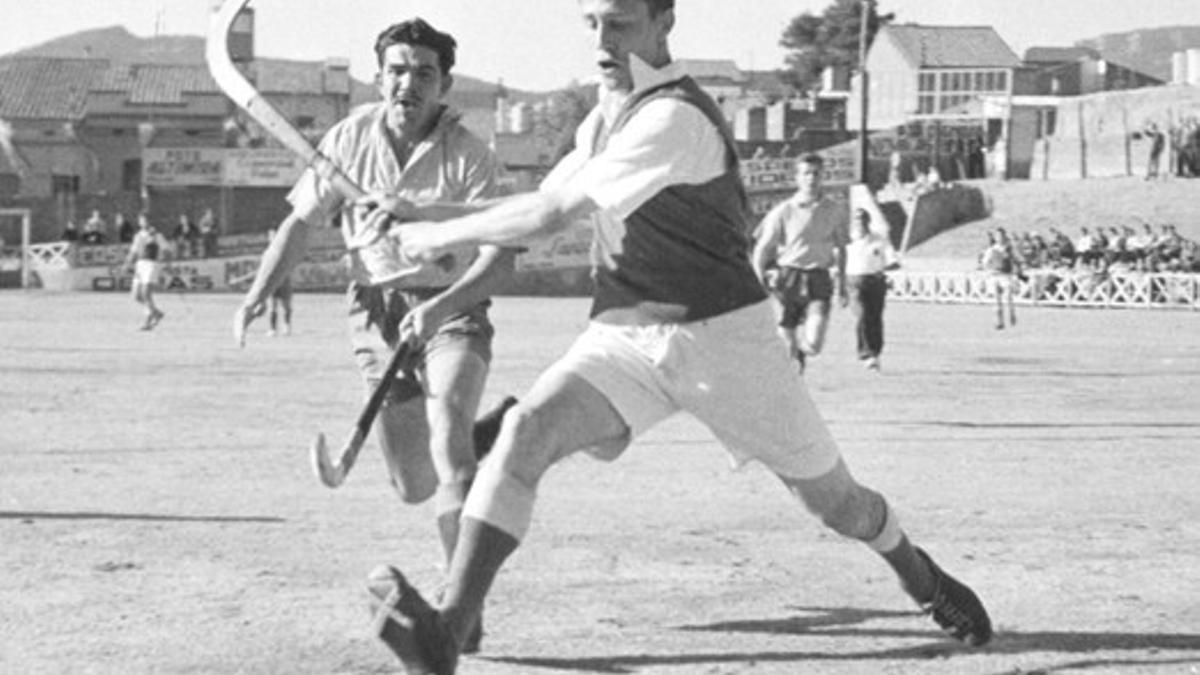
(545, 48)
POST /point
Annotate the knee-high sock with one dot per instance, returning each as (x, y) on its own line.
(481, 551)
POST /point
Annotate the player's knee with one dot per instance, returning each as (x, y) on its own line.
(521, 448)
(412, 489)
(858, 514)
(847, 508)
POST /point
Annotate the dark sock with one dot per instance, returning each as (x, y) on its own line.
(915, 574)
(481, 551)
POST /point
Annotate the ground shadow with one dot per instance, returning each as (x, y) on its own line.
(1041, 425)
(846, 622)
(153, 517)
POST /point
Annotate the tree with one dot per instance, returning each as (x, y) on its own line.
(831, 39)
(565, 110)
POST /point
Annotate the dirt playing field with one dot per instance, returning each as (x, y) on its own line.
(158, 514)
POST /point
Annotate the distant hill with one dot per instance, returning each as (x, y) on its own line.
(118, 45)
(1148, 50)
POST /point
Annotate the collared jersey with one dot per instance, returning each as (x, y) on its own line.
(450, 165)
(147, 245)
(807, 235)
(670, 240)
(872, 254)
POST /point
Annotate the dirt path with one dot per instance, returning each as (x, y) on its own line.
(157, 514)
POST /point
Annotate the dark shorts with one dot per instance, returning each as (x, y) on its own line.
(796, 288)
(375, 315)
(284, 291)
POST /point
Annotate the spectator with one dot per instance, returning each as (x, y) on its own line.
(208, 234)
(70, 233)
(1087, 248)
(181, 236)
(94, 229)
(125, 229)
(1157, 142)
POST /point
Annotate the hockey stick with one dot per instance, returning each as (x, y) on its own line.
(239, 90)
(331, 473)
(242, 93)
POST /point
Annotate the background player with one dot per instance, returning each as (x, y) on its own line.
(145, 251)
(797, 243)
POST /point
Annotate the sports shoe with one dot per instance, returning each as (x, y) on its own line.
(409, 627)
(488, 427)
(156, 317)
(871, 363)
(956, 608)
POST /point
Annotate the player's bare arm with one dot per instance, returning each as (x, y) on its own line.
(285, 250)
(512, 222)
(492, 267)
(403, 210)
(762, 257)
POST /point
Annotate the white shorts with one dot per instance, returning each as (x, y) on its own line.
(145, 272)
(731, 372)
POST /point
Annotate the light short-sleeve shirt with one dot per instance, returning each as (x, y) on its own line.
(450, 165)
(871, 254)
(807, 236)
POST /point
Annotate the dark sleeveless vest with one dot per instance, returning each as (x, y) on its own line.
(684, 255)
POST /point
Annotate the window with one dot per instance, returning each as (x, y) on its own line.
(131, 175)
(927, 82)
(64, 185)
(1001, 81)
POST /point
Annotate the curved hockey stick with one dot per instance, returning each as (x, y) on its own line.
(242, 93)
(332, 473)
(245, 96)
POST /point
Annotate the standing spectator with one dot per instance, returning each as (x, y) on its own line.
(976, 161)
(179, 236)
(208, 234)
(70, 232)
(125, 229)
(1158, 141)
(798, 242)
(868, 256)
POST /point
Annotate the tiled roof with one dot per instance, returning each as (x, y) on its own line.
(166, 85)
(39, 87)
(46, 88)
(1059, 54)
(702, 69)
(293, 77)
(951, 46)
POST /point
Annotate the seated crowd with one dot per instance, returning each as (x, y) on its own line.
(1113, 249)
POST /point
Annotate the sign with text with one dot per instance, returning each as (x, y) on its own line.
(182, 166)
(262, 168)
(240, 167)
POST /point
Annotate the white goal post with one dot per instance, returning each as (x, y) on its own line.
(13, 255)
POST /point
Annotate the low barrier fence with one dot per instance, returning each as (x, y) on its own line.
(1132, 290)
(60, 266)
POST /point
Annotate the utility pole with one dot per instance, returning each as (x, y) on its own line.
(863, 84)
